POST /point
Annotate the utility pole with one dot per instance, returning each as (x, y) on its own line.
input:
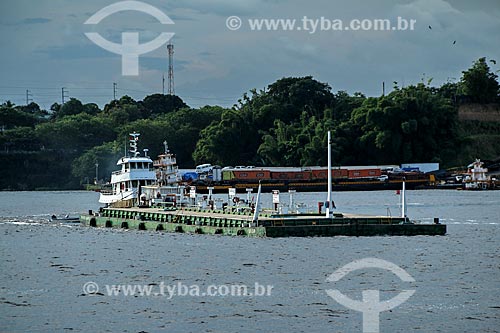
(329, 193)
(163, 84)
(114, 91)
(96, 172)
(64, 93)
(383, 88)
(28, 97)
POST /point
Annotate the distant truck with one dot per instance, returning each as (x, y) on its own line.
(204, 168)
(209, 172)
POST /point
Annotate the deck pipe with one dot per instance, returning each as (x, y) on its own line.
(257, 206)
(329, 195)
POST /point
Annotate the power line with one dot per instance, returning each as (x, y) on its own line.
(134, 90)
(47, 95)
(212, 98)
(23, 87)
(88, 88)
(30, 93)
(93, 95)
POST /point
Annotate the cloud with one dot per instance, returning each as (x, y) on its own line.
(26, 21)
(176, 17)
(47, 38)
(205, 54)
(35, 20)
(72, 52)
(299, 49)
(161, 64)
(220, 7)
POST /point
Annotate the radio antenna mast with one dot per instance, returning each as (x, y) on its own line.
(170, 48)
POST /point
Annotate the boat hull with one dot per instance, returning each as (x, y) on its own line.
(122, 199)
(221, 223)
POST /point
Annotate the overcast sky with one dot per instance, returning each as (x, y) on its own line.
(44, 48)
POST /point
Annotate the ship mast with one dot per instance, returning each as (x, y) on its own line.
(329, 195)
(165, 144)
(134, 137)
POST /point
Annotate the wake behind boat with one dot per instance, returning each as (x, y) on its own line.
(65, 219)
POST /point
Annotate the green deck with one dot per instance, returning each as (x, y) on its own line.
(233, 224)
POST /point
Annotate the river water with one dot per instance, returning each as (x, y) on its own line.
(44, 267)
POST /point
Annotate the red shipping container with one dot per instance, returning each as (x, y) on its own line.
(291, 175)
(251, 174)
(323, 174)
(364, 173)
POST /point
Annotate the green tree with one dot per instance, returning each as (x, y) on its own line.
(158, 104)
(187, 125)
(229, 141)
(265, 127)
(91, 108)
(11, 116)
(409, 124)
(55, 107)
(479, 84)
(71, 107)
(30, 108)
(153, 133)
(19, 139)
(122, 114)
(124, 110)
(106, 155)
(76, 133)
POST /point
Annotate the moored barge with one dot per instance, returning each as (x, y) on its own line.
(174, 216)
(218, 222)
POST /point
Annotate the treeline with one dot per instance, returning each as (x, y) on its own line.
(286, 124)
(282, 125)
(59, 149)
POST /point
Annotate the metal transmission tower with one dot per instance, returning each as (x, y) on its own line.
(170, 48)
(64, 94)
(29, 97)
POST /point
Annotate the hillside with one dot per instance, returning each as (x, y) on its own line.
(284, 124)
(479, 131)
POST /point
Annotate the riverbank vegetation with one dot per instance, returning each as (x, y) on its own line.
(282, 125)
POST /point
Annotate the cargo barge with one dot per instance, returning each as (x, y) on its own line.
(162, 208)
(305, 179)
(211, 222)
(317, 186)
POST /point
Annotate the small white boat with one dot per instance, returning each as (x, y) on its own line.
(167, 171)
(477, 178)
(135, 171)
